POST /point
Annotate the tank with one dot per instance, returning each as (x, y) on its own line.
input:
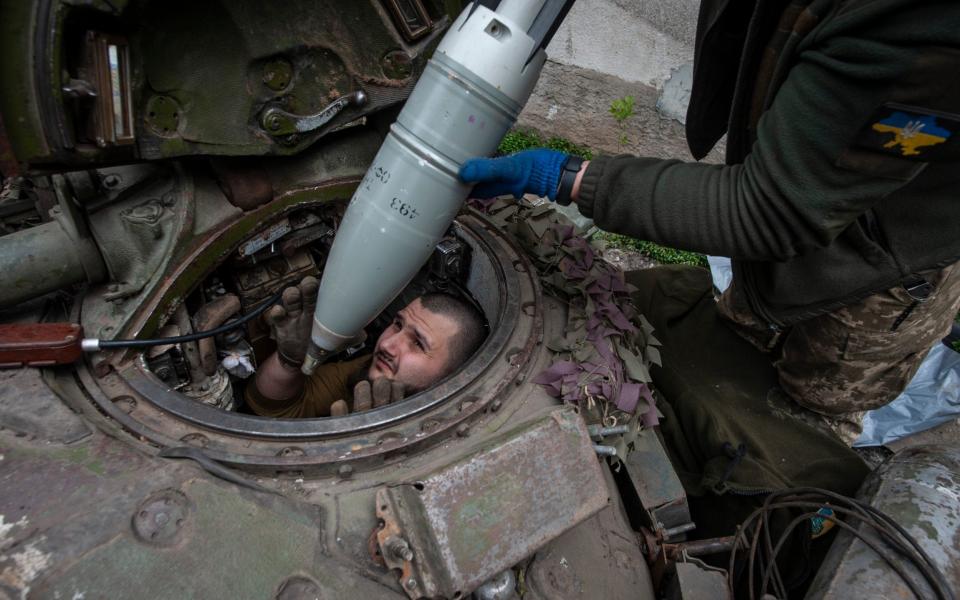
(169, 166)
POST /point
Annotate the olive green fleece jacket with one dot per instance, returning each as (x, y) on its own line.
(817, 211)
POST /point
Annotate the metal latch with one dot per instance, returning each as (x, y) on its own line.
(278, 122)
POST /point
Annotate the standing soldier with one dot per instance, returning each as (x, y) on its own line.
(838, 202)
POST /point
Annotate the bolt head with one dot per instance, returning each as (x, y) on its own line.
(396, 64)
(112, 180)
(345, 471)
(277, 74)
(411, 584)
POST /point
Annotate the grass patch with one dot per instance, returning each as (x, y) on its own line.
(661, 254)
(518, 140)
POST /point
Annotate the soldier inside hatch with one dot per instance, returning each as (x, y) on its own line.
(427, 340)
(838, 202)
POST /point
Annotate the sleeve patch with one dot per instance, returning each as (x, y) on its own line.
(910, 132)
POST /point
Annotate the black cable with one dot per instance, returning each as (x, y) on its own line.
(888, 530)
(193, 336)
(873, 545)
(877, 515)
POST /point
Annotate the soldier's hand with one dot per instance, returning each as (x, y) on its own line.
(380, 393)
(534, 171)
(291, 320)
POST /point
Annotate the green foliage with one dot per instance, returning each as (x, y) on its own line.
(518, 140)
(661, 254)
(622, 109)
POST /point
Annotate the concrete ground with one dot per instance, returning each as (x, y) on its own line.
(574, 103)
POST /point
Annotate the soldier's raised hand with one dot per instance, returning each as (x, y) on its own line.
(291, 320)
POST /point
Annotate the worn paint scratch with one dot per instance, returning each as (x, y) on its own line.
(948, 492)
(27, 565)
(5, 528)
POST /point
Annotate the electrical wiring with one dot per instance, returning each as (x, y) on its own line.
(891, 541)
(110, 344)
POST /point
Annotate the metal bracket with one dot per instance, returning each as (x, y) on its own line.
(463, 524)
(278, 122)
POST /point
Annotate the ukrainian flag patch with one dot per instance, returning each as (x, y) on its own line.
(910, 132)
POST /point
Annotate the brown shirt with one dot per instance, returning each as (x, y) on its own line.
(327, 385)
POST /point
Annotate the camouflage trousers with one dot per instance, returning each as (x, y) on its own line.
(860, 357)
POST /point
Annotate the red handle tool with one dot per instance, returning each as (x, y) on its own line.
(40, 344)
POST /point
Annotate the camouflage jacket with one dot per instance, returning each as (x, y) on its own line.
(843, 139)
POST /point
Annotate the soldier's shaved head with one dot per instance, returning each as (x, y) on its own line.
(472, 330)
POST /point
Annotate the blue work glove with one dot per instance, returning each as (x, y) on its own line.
(535, 171)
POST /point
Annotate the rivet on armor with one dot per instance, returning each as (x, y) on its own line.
(160, 518)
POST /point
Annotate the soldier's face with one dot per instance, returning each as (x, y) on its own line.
(414, 349)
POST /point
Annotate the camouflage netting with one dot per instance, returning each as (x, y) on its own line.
(604, 357)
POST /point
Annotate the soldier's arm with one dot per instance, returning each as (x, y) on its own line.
(279, 381)
(277, 390)
(794, 192)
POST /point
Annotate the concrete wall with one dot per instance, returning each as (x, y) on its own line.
(639, 42)
(608, 49)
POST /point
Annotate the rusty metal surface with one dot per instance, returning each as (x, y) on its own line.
(210, 316)
(490, 510)
(598, 559)
(100, 519)
(198, 71)
(692, 581)
(654, 496)
(700, 547)
(30, 408)
(39, 344)
(920, 489)
(215, 228)
(260, 281)
(247, 185)
(107, 74)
